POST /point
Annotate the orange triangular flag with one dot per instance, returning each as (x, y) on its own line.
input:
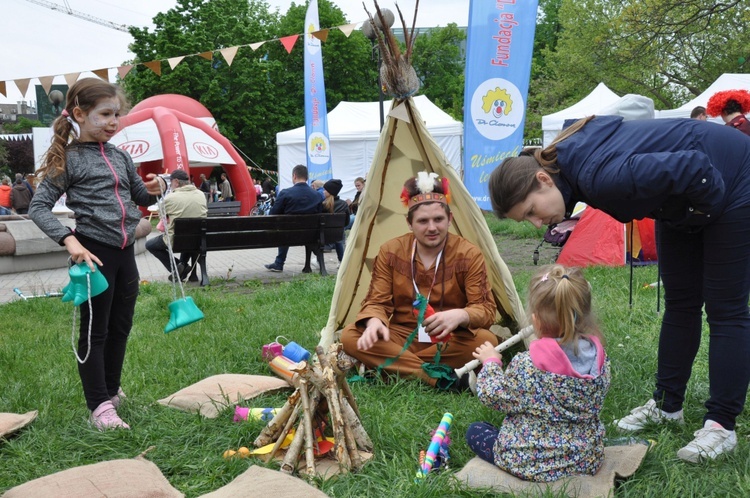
(2, 89)
(348, 29)
(288, 42)
(102, 73)
(46, 82)
(229, 54)
(321, 35)
(155, 66)
(124, 70)
(175, 60)
(256, 46)
(209, 55)
(23, 85)
(71, 78)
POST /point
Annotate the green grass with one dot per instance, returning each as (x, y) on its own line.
(510, 228)
(38, 372)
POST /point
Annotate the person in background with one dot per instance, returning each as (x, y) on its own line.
(317, 186)
(552, 394)
(183, 201)
(205, 187)
(20, 197)
(300, 198)
(5, 202)
(103, 189)
(225, 188)
(430, 265)
(26, 183)
(359, 184)
(731, 105)
(699, 112)
(693, 178)
(333, 204)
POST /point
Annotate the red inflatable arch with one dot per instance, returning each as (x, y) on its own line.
(162, 138)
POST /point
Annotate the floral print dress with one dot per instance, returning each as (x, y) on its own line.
(552, 427)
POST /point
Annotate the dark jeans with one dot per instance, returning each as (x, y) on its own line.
(159, 249)
(710, 268)
(281, 257)
(481, 437)
(111, 320)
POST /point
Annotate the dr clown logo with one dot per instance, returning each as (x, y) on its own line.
(206, 150)
(318, 148)
(136, 148)
(497, 108)
(312, 44)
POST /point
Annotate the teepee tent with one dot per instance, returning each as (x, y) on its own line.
(405, 147)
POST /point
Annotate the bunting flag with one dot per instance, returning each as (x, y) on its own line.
(71, 78)
(173, 61)
(46, 82)
(102, 73)
(288, 42)
(229, 54)
(498, 67)
(318, 145)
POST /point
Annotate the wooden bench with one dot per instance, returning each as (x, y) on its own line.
(229, 208)
(200, 235)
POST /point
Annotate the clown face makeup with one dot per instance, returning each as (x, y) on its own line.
(100, 123)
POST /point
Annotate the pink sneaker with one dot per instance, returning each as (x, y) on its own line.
(105, 417)
(117, 398)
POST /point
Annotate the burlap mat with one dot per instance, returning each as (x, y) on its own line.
(619, 462)
(11, 422)
(261, 482)
(127, 478)
(212, 395)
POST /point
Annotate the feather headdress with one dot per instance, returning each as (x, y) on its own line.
(422, 188)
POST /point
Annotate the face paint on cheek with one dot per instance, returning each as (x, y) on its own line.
(103, 114)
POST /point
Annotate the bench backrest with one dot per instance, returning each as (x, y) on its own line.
(253, 232)
(224, 208)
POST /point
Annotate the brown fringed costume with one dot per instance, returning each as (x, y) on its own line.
(461, 282)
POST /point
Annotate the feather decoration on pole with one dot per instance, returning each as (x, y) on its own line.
(398, 76)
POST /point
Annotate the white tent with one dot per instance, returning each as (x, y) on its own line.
(354, 130)
(724, 82)
(600, 97)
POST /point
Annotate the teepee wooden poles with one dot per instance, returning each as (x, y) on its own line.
(322, 398)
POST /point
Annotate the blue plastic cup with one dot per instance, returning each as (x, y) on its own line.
(295, 352)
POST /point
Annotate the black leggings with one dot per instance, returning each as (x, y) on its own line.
(112, 313)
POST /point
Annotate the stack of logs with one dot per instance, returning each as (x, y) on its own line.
(323, 398)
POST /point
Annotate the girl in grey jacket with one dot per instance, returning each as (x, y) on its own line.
(103, 190)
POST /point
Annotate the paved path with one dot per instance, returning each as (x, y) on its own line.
(241, 265)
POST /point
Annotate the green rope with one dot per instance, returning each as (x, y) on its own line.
(435, 370)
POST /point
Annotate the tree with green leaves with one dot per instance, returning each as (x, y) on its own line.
(668, 50)
(439, 64)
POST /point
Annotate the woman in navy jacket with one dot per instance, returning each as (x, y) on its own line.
(693, 177)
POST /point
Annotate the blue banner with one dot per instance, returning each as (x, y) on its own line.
(316, 115)
(498, 66)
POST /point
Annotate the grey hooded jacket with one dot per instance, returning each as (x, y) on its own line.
(103, 190)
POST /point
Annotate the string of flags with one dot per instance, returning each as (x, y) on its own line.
(228, 53)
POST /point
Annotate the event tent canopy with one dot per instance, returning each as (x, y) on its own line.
(726, 81)
(601, 101)
(354, 130)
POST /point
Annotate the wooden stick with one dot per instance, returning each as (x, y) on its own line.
(334, 408)
(309, 437)
(521, 335)
(352, 420)
(350, 442)
(292, 453)
(274, 427)
(348, 395)
(282, 437)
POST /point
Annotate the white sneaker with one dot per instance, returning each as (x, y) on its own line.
(709, 442)
(645, 414)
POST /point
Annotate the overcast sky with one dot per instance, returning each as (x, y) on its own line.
(38, 41)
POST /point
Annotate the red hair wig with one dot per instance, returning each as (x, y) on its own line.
(718, 101)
